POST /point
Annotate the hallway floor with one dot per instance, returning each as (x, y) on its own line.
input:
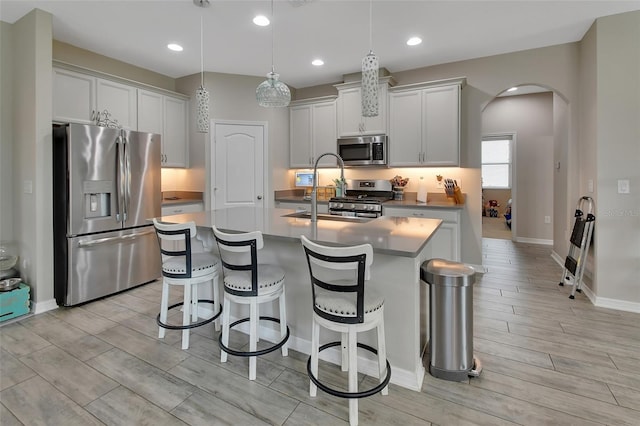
(547, 360)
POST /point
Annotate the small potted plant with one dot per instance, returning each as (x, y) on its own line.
(398, 183)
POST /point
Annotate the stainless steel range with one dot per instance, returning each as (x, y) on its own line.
(363, 198)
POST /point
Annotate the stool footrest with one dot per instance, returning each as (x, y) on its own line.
(195, 324)
(254, 353)
(343, 394)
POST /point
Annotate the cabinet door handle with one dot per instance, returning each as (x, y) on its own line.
(259, 197)
(418, 214)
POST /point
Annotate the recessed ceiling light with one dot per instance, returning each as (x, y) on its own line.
(175, 47)
(317, 62)
(513, 89)
(261, 21)
(414, 41)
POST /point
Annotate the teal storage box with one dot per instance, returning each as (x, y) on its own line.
(15, 302)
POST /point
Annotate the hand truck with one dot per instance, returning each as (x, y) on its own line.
(579, 245)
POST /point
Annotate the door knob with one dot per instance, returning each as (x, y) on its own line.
(259, 197)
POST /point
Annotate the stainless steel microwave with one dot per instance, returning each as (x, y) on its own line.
(364, 150)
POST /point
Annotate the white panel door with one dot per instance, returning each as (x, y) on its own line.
(238, 165)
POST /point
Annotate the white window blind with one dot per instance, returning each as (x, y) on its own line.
(496, 163)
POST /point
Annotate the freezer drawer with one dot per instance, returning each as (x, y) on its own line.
(103, 264)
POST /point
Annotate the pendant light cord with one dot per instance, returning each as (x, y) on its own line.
(272, 24)
(370, 26)
(201, 53)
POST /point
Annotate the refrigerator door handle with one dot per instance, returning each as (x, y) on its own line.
(127, 174)
(120, 178)
(108, 240)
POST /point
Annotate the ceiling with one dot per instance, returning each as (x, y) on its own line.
(337, 31)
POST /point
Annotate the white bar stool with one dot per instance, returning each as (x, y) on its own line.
(338, 276)
(250, 283)
(181, 267)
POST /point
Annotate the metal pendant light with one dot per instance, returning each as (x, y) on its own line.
(369, 87)
(202, 95)
(272, 92)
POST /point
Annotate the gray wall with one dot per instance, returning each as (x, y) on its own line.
(6, 131)
(530, 117)
(232, 97)
(26, 66)
(617, 156)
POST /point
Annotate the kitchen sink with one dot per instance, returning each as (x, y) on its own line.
(325, 216)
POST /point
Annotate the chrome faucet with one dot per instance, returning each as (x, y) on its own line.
(314, 194)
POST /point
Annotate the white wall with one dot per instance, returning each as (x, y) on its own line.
(530, 117)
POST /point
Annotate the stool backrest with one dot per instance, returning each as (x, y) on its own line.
(175, 242)
(341, 270)
(239, 252)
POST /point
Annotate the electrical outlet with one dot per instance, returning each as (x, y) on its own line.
(623, 186)
(547, 219)
(590, 185)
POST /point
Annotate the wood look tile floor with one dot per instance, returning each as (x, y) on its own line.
(547, 360)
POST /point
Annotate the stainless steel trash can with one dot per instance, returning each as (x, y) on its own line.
(450, 319)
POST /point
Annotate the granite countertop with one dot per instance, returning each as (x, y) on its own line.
(172, 198)
(434, 200)
(398, 236)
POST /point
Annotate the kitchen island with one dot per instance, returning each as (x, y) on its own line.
(400, 245)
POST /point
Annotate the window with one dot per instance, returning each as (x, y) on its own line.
(496, 162)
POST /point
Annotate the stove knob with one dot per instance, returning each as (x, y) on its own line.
(353, 206)
(340, 205)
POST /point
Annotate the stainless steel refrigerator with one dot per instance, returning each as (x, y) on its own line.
(106, 185)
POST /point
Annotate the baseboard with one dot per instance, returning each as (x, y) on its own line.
(617, 304)
(534, 241)
(559, 259)
(407, 379)
(601, 302)
(41, 307)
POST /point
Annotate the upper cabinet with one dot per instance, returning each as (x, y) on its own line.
(424, 125)
(78, 96)
(349, 109)
(312, 132)
(166, 116)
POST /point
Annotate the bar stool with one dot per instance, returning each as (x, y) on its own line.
(250, 283)
(338, 276)
(181, 267)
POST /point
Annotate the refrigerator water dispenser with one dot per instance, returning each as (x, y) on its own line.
(97, 199)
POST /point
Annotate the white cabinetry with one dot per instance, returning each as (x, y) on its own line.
(312, 132)
(77, 97)
(175, 137)
(424, 125)
(119, 100)
(349, 110)
(168, 210)
(299, 206)
(166, 116)
(446, 242)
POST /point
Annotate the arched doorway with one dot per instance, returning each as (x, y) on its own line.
(538, 119)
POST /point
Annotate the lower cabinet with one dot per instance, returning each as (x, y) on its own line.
(168, 210)
(446, 241)
(301, 206)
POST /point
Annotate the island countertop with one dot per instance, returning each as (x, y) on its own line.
(398, 236)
